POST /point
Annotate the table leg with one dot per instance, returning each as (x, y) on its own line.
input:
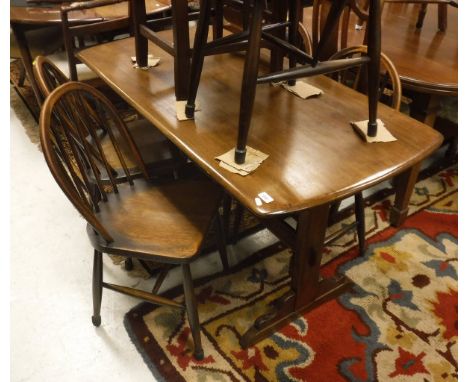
(424, 108)
(307, 289)
(20, 38)
(404, 185)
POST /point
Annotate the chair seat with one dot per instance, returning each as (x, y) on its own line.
(154, 147)
(158, 222)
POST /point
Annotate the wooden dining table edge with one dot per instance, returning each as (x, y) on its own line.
(429, 87)
(263, 211)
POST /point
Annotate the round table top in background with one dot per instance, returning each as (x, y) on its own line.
(426, 59)
(42, 13)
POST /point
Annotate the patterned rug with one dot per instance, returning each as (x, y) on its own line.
(399, 322)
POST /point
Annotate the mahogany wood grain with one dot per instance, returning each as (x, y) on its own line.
(307, 141)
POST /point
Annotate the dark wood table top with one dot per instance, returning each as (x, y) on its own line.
(426, 59)
(39, 14)
(314, 155)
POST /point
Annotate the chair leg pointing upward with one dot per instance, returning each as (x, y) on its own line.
(97, 288)
(192, 312)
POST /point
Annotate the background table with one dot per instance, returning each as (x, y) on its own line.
(426, 59)
(25, 17)
(314, 158)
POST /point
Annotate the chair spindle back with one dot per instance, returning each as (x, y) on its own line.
(72, 118)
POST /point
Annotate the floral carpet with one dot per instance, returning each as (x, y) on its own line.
(398, 323)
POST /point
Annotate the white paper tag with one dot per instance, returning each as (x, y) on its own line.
(265, 197)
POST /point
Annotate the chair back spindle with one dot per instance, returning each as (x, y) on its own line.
(73, 150)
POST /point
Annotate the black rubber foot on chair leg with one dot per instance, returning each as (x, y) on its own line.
(128, 265)
(372, 129)
(189, 110)
(239, 156)
(199, 355)
(96, 320)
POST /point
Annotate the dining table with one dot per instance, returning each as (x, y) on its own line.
(314, 155)
(26, 16)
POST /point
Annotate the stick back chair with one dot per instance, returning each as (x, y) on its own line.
(164, 222)
(251, 40)
(160, 155)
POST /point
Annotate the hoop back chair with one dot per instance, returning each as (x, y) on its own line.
(251, 40)
(137, 219)
(356, 77)
(160, 155)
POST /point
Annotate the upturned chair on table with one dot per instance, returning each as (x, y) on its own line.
(251, 41)
(163, 221)
(356, 78)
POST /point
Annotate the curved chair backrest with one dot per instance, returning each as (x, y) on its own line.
(70, 121)
(48, 75)
(354, 77)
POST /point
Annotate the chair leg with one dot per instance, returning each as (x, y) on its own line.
(442, 17)
(249, 81)
(201, 36)
(327, 31)
(138, 11)
(421, 16)
(22, 75)
(293, 32)
(128, 264)
(221, 240)
(192, 312)
(360, 222)
(97, 288)
(373, 67)
(218, 19)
